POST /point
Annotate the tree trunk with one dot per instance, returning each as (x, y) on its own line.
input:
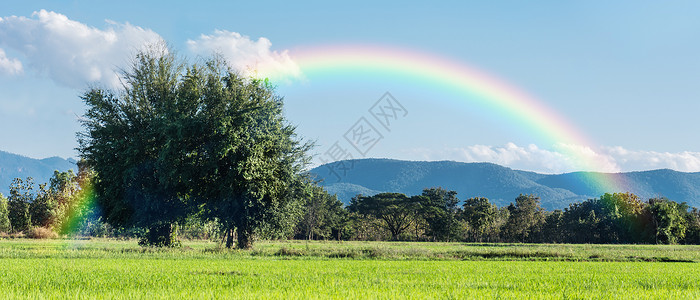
(229, 238)
(244, 239)
(416, 227)
(159, 235)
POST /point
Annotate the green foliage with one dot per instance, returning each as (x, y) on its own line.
(93, 226)
(53, 205)
(43, 208)
(439, 209)
(49, 207)
(64, 194)
(622, 214)
(581, 224)
(124, 143)
(4, 215)
(624, 218)
(553, 228)
(479, 214)
(19, 202)
(692, 235)
(160, 235)
(668, 220)
(195, 228)
(192, 139)
(323, 215)
(525, 218)
(360, 227)
(396, 211)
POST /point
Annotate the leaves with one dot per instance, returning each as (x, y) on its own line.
(183, 139)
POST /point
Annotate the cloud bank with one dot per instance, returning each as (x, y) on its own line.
(564, 158)
(69, 52)
(253, 58)
(74, 54)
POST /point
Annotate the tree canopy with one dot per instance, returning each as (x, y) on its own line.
(182, 139)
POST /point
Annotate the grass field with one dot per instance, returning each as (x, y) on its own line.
(121, 269)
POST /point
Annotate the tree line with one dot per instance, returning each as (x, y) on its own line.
(434, 215)
(53, 206)
(438, 215)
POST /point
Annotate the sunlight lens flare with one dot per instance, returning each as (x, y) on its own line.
(85, 203)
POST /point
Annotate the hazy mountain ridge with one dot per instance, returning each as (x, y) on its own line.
(371, 176)
(14, 165)
(498, 183)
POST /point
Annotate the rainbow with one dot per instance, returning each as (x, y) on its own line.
(475, 87)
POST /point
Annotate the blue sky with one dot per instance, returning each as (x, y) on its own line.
(623, 73)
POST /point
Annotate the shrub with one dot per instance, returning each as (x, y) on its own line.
(41, 233)
(160, 235)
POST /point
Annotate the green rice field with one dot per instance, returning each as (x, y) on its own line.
(111, 269)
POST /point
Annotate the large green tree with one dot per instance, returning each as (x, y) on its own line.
(124, 143)
(180, 139)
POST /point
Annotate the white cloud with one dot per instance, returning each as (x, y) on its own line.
(72, 53)
(530, 158)
(9, 66)
(585, 158)
(629, 160)
(253, 58)
(564, 158)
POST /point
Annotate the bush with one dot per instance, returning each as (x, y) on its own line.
(160, 235)
(41, 233)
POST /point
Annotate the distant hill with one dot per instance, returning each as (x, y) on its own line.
(13, 166)
(371, 176)
(500, 184)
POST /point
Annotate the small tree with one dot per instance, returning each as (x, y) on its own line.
(552, 231)
(19, 202)
(621, 217)
(439, 208)
(64, 189)
(668, 220)
(526, 217)
(4, 218)
(43, 209)
(396, 211)
(692, 235)
(480, 214)
(322, 215)
(364, 228)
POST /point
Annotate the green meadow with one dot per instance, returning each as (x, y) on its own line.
(109, 269)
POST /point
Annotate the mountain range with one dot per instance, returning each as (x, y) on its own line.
(500, 184)
(13, 166)
(371, 176)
